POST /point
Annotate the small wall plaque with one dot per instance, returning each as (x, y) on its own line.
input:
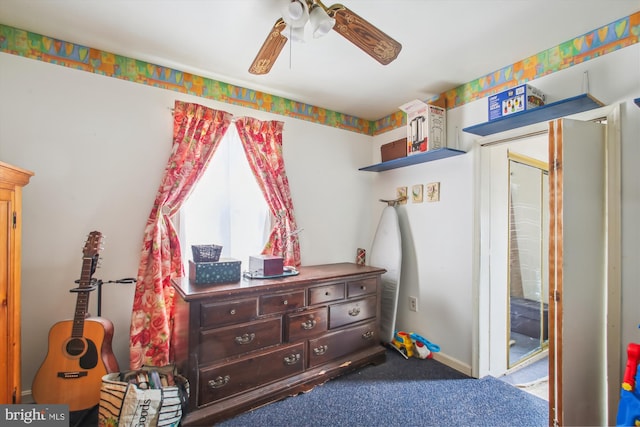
(433, 192)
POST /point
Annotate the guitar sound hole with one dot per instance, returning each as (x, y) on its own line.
(90, 359)
(75, 347)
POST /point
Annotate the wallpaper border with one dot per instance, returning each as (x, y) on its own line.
(606, 39)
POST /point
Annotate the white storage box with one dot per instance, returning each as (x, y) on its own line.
(426, 127)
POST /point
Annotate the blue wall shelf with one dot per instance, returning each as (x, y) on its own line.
(427, 156)
(566, 107)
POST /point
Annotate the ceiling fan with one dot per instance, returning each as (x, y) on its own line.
(298, 13)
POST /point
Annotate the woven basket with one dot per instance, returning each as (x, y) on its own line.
(206, 253)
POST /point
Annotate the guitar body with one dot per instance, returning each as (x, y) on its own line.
(74, 366)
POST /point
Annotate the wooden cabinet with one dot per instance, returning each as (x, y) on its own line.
(256, 341)
(12, 179)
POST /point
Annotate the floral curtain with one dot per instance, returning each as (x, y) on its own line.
(197, 131)
(262, 142)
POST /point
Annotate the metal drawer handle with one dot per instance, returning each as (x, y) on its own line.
(319, 351)
(219, 382)
(354, 311)
(309, 324)
(363, 288)
(245, 339)
(327, 293)
(367, 335)
(233, 311)
(285, 302)
(292, 359)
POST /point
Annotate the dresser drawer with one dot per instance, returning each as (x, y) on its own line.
(216, 344)
(223, 313)
(220, 381)
(306, 324)
(362, 287)
(327, 293)
(337, 344)
(278, 303)
(351, 311)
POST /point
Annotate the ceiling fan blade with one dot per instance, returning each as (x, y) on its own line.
(270, 49)
(363, 34)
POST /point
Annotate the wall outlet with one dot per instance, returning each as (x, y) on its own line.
(413, 303)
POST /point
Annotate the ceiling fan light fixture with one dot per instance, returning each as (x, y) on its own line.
(295, 10)
(295, 13)
(295, 34)
(321, 22)
(357, 30)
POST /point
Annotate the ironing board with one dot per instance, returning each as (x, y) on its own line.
(386, 252)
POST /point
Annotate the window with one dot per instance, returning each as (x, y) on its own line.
(226, 207)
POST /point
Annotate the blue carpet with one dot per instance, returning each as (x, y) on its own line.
(403, 392)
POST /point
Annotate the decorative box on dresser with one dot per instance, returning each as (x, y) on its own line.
(12, 179)
(245, 344)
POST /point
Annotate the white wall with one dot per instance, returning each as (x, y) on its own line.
(99, 146)
(437, 251)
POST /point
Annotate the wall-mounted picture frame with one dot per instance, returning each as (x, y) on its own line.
(433, 192)
(401, 193)
(416, 193)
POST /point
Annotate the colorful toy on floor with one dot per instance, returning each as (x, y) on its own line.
(413, 345)
(422, 352)
(418, 338)
(629, 406)
(402, 343)
(633, 358)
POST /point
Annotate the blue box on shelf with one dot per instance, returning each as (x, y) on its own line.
(226, 270)
(515, 100)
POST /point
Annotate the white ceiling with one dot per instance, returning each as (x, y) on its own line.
(445, 42)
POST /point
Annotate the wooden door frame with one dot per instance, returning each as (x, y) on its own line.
(555, 272)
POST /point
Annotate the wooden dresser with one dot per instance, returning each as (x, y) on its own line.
(256, 341)
(12, 179)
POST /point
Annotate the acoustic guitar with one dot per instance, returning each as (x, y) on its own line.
(79, 350)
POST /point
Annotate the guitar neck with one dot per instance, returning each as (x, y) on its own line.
(82, 303)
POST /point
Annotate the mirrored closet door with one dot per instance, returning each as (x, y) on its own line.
(528, 261)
